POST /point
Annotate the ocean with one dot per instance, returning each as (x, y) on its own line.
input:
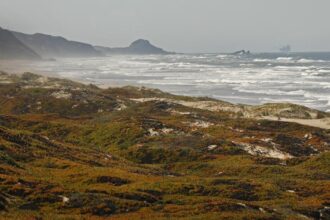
(301, 78)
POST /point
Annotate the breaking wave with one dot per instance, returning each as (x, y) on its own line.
(302, 79)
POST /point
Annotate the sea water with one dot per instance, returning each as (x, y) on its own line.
(301, 78)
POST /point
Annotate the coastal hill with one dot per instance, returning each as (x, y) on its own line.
(49, 46)
(12, 48)
(16, 45)
(75, 151)
(143, 47)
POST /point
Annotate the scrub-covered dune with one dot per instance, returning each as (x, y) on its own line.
(75, 151)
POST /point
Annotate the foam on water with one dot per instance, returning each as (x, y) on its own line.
(298, 78)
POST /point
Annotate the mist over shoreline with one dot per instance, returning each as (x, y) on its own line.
(301, 78)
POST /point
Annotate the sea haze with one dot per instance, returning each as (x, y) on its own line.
(302, 78)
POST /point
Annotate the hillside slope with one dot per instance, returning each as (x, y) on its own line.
(12, 48)
(56, 47)
(73, 151)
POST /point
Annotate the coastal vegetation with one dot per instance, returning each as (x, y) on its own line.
(75, 151)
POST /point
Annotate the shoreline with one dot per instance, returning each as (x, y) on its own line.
(127, 74)
(255, 112)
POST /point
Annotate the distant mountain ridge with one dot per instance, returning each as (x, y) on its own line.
(140, 46)
(56, 47)
(12, 48)
(17, 45)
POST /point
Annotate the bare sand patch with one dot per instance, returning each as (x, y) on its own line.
(319, 123)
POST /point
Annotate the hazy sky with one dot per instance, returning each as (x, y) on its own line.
(178, 25)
